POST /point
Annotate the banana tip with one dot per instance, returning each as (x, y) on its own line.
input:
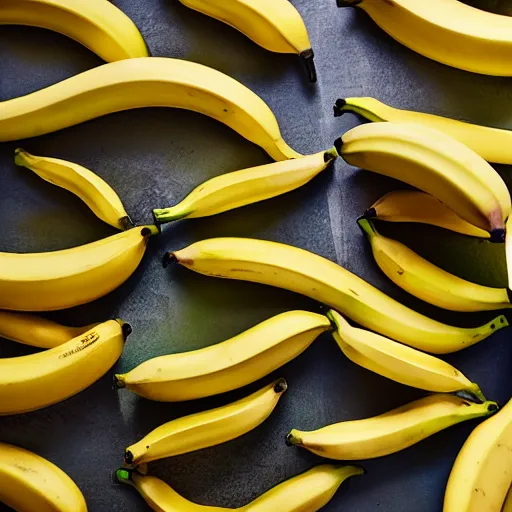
(121, 476)
(117, 382)
(370, 213)
(338, 144)
(169, 257)
(497, 236)
(338, 107)
(308, 64)
(493, 407)
(127, 330)
(128, 457)
(126, 223)
(291, 439)
(280, 386)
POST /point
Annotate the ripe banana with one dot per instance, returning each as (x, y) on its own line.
(427, 281)
(62, 279)
(435, 163)
(392, 431)
(228, 365)
(96, 193)
(492, 144)
(482, 473)
(276, 25)
(29, 483)
(303, 272)
(207, 428)
(399, 362)
(145, 82)
(416, 206)
(236, 189)
(28, 383)
(478, 41)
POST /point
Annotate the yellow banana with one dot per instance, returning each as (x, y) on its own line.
(303, 272)
(29, 483)
(240, 188)
(392, 431)
(96, 193)
(482, 473)
(228, 365)
(477, 40)
(145, 82)
(28, 383)
(507, 506)
(427, 281)
(207, 428)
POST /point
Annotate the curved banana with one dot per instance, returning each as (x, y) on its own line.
(228, 365)
(478, 41)
(207, 428)
(29, 483)
(427, 281)
(28, 383)
(417, 206)
(399, 362)
(276, 25)
(482, 473)
(95, 192)
(240, 188)
(392, 431)
(435, 163)
(303, 272)
(62, 279)
(146, 82)
(492, 144)
(99, 25)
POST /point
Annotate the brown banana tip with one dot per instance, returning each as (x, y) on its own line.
(288, 440)
(493, 407)
(127, 330)
(308, 64)
(497, 236)
(370, 213)
(128, 457)
(169, 257)
(338, 107)
(280, 386)
(338, 144)
(117, 383)
(126, 223)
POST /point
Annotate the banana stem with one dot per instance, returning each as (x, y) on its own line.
(367, 226)
(341, 106)
(308, 64)
(292, 439)
(165, 215)
(122, 476)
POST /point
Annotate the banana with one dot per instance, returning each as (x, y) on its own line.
(435, 163)
(398, 362)
(99, 25)
(507, 506)
(62, 279)
(228, 365)
(492, 144)
(240, 188)
(427, 281)
(207, 428)
(303, 272)
(416, 206)
(392, 431)
(276, 25)
(30, 483)
(28, 383)
(145, 82)
(96, 193)
(482, 473)
(478, 41)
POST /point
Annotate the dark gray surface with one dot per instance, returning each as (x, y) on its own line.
(153, 158)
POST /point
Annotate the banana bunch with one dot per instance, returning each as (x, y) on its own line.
(228, 365)
(99, 25)
(478, 41)
(29, 483)
(273, 24)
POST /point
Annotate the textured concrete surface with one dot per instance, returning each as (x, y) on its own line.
(153, 158)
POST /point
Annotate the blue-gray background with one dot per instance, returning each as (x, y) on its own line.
(153, 157)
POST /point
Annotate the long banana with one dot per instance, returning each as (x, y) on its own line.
(478, 41)
(482, 473)
(392, 431)
(95, 192)
(240, 188)
(228, 365)
(303, 272)
(492, 144)
(30, 483)
(62, 279)
(145, 82)
(276, 25)
(207, 428)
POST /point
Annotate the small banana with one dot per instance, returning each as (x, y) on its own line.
(29, 483)
(303, 272)
(207, 428)
(492, 144)
(392, 431)
(228, 365)
(96, 193)
(427, 281)
(240, 188)
(276, 25)
(482, 473)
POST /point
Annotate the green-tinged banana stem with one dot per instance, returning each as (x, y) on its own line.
(165, 215)
(341, 106)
